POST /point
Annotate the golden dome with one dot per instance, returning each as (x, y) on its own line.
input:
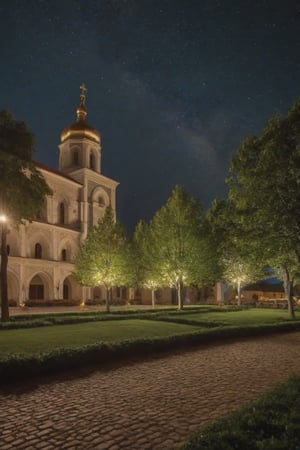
(80, 128)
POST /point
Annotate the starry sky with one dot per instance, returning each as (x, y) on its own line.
(174, 86)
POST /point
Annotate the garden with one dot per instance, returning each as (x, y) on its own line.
(39, 344)
(36, 344)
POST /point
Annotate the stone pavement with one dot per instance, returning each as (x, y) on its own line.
(152, 404)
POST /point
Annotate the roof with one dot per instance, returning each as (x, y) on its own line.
(264, 286)
(55, 171)
(81, 129)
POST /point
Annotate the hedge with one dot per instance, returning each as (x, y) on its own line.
(20, 366)
(271, 423)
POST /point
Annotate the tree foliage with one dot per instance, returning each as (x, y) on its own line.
(264, 182)
(103, 257)
(240, 262)
(22, 186)
(147, 271)
(180, 247)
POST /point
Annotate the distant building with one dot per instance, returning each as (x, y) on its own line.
(41, 253)
(264, 292)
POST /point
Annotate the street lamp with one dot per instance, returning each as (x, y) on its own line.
(3, 269)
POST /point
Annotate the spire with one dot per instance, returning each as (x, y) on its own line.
(81, 111)
(81, 129)
(82, 95)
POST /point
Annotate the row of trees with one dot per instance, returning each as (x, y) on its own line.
(252, 234)
(174, 249)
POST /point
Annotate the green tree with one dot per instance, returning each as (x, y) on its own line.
(238, 271)
(264, 182)
(147, 274)
(285, 265)
(103, 257)
(240, 263)
(179, 238)
(22, 187)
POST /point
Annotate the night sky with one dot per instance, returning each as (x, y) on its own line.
(174, 86)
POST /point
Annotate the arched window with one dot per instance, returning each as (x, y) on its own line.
(64, 254)
(75, 158)
(62, 213)
(92, 161)
(101, 201)
(38, 251)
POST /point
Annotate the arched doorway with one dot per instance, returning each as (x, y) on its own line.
(36, 289)
(13, 287)
(67, 289)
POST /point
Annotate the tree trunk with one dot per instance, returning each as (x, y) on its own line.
(288, 289)
(179, 294)
(3, 275)
(107, 299)
(239, 293)
(153, 298)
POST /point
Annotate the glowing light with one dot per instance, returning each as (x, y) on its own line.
(3, 218)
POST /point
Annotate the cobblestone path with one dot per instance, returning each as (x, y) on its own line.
(152, 404)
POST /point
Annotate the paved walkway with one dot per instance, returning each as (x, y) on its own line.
(153, 404)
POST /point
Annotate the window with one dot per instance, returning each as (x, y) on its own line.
(7, 249)
(64, 254)
(92, 160)
(76, 158)
(62, 213)
(101, 202)
(38, 251)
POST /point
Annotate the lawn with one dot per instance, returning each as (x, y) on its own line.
(43, 339)
(244, 317)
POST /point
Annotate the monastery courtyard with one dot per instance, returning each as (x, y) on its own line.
(154, 403)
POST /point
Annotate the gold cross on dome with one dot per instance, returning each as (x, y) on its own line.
(82, 95)
(83, 89)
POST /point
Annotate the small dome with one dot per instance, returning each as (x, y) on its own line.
(80, 128)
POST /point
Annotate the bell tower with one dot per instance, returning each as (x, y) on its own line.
(80, 146)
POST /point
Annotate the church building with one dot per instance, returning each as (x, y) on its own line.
(41, 253)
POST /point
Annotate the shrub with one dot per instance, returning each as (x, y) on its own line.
(118, 302)
(60, 302)
(95, 302)
(135, 301)
(16, 366)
